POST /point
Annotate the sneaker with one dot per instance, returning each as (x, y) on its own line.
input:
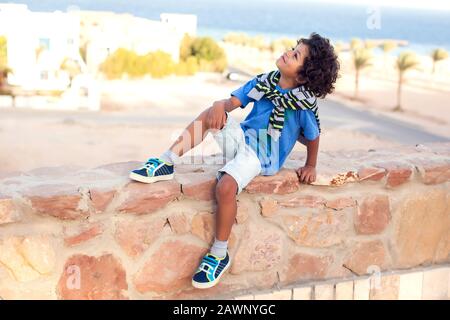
(210, 270)
(154, 170)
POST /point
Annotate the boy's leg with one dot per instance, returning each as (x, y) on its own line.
(226, 191)
(192, 135)
(233, 177)
(162, 168)
(217, 261)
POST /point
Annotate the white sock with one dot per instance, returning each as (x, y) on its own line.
(219, 248)
(169, 157)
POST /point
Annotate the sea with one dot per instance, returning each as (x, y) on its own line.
(423, 29)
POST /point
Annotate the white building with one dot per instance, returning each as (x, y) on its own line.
(184, 23)
(37, 45)
(102, 33)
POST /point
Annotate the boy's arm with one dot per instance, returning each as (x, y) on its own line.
(216, 113)
(230, 104)
(307, 173)
(312, 148)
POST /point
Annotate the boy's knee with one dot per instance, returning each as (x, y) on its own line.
(226, 187)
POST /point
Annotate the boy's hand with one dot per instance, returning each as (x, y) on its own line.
(216, 115)
(306, 174)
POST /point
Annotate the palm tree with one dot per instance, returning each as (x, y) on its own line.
(405, 61)
(361, 59)
(387, 46)
(370, 44)
(437, 55)
(355, 43)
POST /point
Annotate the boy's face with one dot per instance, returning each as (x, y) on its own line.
(292, 60)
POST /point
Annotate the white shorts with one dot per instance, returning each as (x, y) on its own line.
(242, 162)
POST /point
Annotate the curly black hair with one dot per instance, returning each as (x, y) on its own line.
(321, 67)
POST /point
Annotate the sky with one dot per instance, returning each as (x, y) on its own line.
(416, 4)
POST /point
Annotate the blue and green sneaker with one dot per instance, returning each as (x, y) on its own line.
(153, 170)
(210, 270)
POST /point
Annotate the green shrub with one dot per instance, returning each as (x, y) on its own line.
(258, 42)
(118, 63)
(196, 54)
(282, 44)
(3, 52)
(238, 38)
(4, 70)
(188, 67)
(244, 39)
(206, 48)
(185, 47)
(209, 55)
(158, 64)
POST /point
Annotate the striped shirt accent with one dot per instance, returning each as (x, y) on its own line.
(296, 99)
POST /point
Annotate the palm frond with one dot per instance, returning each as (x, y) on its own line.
(407, 61)
(362, 58)
(439, 54)
(388, 45)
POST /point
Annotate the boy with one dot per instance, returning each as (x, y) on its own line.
(284, 111)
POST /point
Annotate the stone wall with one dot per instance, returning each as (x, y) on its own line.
(430, 283)
(77, 233)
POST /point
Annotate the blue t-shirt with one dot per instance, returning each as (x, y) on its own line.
(272, 154)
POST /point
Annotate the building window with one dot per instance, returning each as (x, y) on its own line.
(83, 91)
(44, 75)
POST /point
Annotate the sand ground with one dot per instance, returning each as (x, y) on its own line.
(141, 118)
